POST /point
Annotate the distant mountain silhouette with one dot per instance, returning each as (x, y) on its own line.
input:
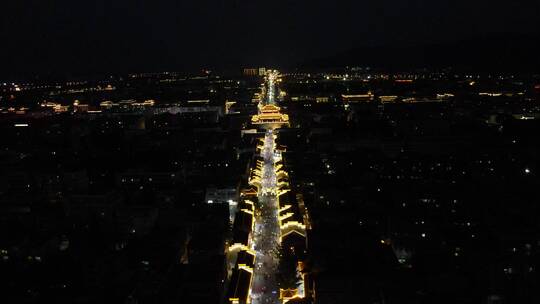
(502, 52)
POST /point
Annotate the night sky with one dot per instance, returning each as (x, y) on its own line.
(135, 35)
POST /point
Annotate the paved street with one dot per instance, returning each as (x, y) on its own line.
(264, 288)
(266, 237)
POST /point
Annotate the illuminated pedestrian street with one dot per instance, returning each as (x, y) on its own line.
(267, 230)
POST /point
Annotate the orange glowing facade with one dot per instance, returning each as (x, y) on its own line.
(270, 114)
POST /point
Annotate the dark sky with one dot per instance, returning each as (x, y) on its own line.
(47, 36)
